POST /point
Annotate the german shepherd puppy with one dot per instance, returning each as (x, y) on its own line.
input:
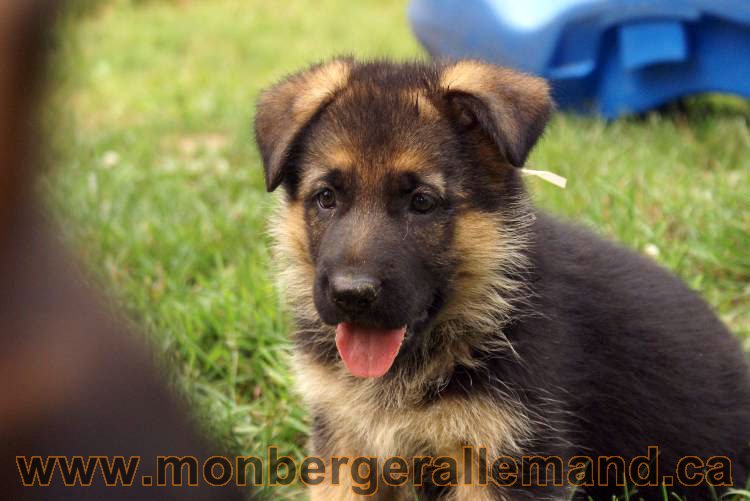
(437, 309)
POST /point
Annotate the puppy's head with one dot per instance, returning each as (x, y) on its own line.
(401, 186)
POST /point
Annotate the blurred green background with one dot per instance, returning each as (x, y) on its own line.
(157, 184)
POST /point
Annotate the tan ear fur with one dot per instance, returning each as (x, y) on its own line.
(284, 109)
(512, 107)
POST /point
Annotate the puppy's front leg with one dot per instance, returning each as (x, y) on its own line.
(343, 492)
(466, 492)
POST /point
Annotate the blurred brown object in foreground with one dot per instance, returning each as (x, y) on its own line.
(72, 380)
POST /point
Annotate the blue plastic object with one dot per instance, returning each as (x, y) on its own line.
(611, 57)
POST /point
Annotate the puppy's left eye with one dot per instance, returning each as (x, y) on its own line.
(422, 203)
(326, 199)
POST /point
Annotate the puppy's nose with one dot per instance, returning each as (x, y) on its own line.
(354, 293)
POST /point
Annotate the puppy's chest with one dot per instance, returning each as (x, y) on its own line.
(358, 417)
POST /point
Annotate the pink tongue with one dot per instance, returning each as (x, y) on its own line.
(367, 351)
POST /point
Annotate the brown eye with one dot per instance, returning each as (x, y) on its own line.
(422, 203)
(326, 199)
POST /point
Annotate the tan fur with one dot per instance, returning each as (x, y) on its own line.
(503, 91)
(474, 493)
(334, 156)
(295, 270)
(311, 180)
(343, 492)
(356, 408)
(474, 490)
(339, 157)
(363, 426)
(285, 108)
(476, 77)
(487, 250)
(409, 159)
(425, 107)
(435, 179)
(318, 86)
(326, 491)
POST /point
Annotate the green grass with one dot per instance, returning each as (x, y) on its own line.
(158, 185)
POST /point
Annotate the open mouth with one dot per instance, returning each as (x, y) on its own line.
(370, 351)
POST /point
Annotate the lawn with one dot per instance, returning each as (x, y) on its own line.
(157, 184)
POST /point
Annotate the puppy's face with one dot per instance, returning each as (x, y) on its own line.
(387, 165)
(378, 200)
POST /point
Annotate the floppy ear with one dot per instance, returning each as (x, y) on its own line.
(284, 109)
(511, 107)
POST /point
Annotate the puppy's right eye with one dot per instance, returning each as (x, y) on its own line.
(326, 199)
(422, 203)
